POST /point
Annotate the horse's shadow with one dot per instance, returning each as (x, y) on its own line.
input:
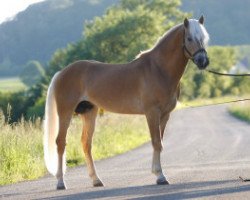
(174, 191)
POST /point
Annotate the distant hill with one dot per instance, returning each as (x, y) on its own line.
(227, 21)
(37, 32)
(42, 28)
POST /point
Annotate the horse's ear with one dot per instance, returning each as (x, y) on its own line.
(186, 22)
(201, 20)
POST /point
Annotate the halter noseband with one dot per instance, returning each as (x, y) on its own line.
(185, 49)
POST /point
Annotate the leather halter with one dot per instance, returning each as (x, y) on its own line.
(185, 49)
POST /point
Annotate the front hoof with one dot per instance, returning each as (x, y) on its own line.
(61, 187)
(97, 183)
(162, 181)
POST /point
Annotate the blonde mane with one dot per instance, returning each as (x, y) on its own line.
(159, 41)
(196, 29)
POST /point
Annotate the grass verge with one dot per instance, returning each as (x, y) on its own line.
(21, 146)
(206, 102)
(114, 134)
(21, 152)
(241, 111)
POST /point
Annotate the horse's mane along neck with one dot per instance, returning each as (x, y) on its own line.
(161, 40)
(167, 36)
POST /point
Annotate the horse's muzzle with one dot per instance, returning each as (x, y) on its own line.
(201, 60)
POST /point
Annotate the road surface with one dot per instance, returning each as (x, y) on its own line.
(205, 151)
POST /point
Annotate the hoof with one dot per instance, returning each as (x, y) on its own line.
(61, 186)
(97, 183)
(162, 181)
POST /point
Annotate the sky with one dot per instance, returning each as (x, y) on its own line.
(9, 8)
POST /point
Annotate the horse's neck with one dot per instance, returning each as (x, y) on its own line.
(171, 56)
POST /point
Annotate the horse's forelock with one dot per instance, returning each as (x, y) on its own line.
(198, 31)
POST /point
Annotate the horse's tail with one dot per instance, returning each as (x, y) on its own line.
(51, 128)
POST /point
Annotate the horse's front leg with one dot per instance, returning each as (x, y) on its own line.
(163, 122)
(153, 119)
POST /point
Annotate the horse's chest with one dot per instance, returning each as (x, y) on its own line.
(169, 103)
(160, 93)
(167, 100)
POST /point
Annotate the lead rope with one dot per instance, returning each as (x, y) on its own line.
(215, 104)
(225, 74)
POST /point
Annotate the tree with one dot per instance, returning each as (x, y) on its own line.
(169, 9)
(130, 27)
(205, 85)
(32, 73)
(118, 36)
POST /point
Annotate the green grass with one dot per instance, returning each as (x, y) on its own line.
(206, 102)
(11, 84)
(114, 134)
(21, 152)
(21, 147)
(241, 111)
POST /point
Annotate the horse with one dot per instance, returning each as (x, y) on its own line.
(148, 85)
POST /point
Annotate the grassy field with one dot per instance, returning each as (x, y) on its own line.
(241, 111)
(12, 84)
(21, 146)
(206, 102)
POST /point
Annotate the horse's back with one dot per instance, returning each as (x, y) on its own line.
(114, 87)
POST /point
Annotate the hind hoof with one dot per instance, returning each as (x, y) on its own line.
(162, 181)
(97, 183)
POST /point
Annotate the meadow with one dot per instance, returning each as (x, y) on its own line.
(11, 84)
(240, 110)
(21, 146)
(208, 101)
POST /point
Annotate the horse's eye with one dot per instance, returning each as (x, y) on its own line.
(189, 39)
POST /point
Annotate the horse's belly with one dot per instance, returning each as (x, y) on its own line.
(124, 106)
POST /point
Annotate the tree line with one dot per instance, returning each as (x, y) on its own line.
(117, 37)
(34, 34)
(37, 32)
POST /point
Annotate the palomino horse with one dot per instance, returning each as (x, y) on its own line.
(148, 85)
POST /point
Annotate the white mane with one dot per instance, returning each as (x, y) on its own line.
(198, 31)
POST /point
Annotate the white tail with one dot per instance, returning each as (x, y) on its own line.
(51, 128)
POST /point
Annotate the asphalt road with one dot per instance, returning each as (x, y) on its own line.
(205, 152)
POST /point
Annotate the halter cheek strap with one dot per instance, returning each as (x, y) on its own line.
(191, 56)
(187, 51)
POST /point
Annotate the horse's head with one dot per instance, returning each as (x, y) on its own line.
(195, 41)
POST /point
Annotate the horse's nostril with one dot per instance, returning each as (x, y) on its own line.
(200, 60)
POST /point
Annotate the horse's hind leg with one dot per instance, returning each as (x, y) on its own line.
(64, 121)
(89, 119)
